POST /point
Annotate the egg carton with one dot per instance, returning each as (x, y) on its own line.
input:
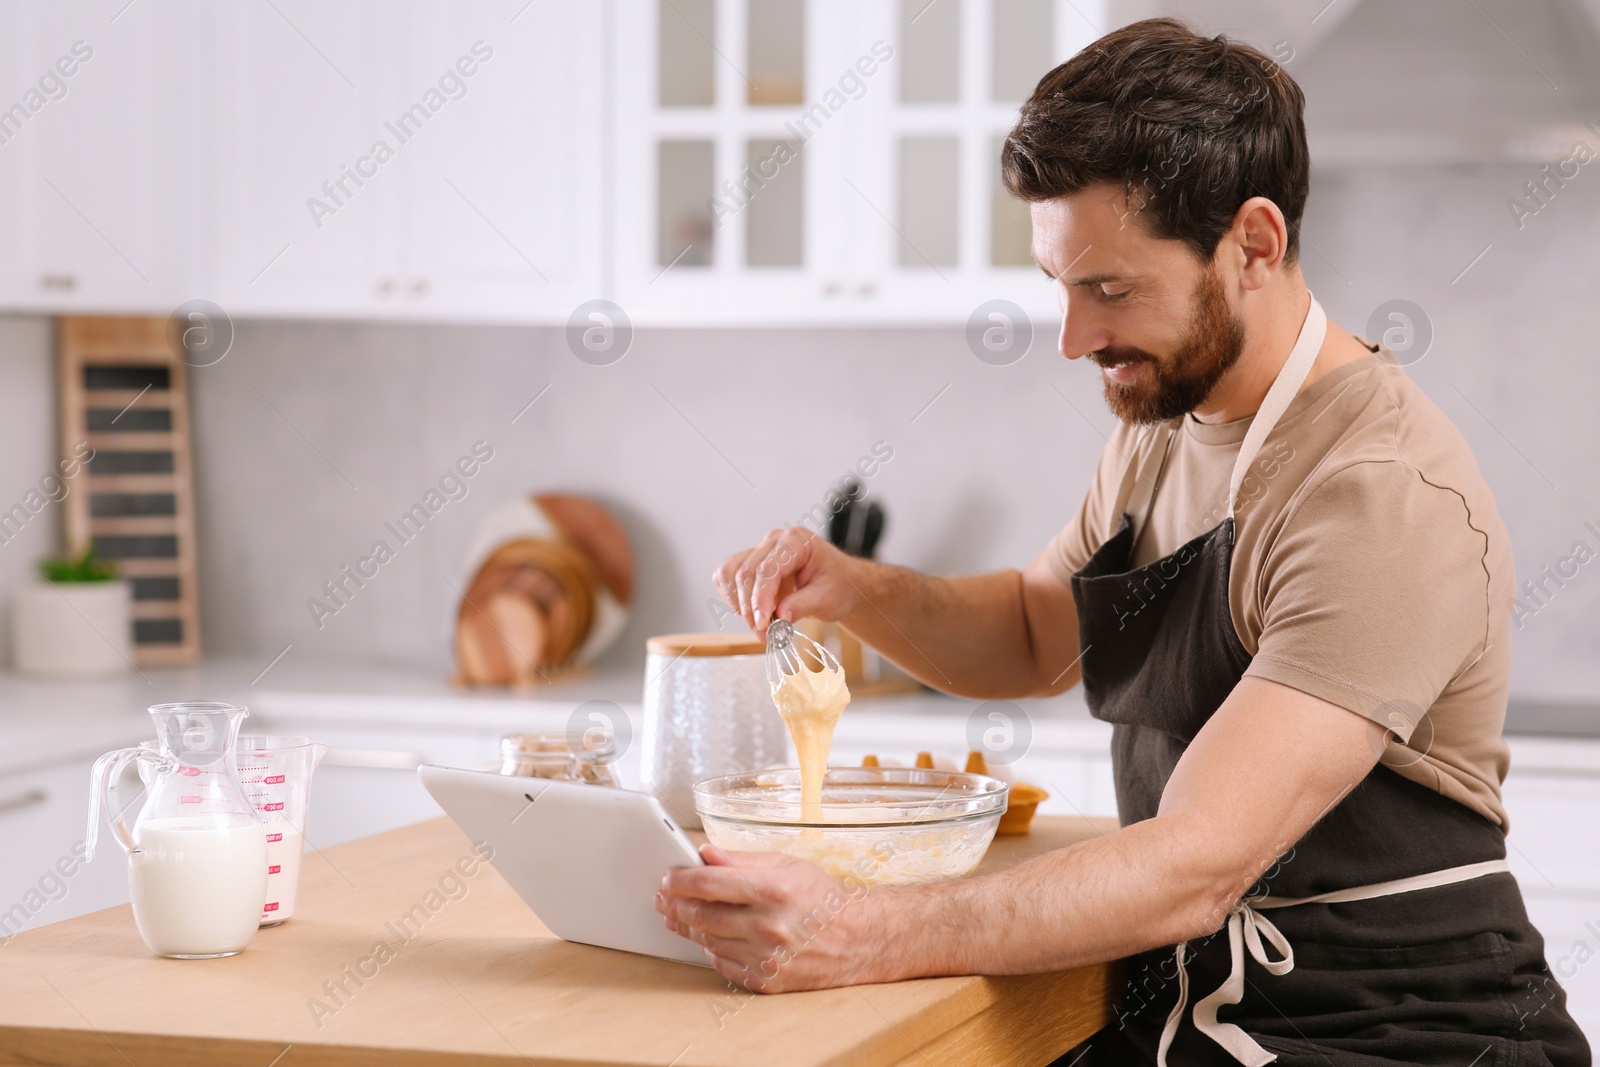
(1021, 802)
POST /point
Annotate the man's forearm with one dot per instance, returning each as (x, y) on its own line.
(1139, 888)
(1223, 823)
(967, 635)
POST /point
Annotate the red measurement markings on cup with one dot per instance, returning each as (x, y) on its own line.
(189, 798)
(275, 868)
(185, 769)
(273, 807)
(274, 837)
(275, 779)
(270, 906)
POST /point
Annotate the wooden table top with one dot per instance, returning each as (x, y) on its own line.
(483, 982)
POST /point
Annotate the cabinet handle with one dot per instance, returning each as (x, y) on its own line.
(866, 289)
(419, 287)
(58, 281)
(831, 289)
(385, 286)
(26, 799)
(377, 759)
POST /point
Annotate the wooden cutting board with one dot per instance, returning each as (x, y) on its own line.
(530, 605)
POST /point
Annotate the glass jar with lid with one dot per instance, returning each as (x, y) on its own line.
(707, 711)
(585, 757)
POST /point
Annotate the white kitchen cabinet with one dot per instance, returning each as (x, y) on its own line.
(302, 91)
(1551, 849)
(1068, 756)
(43, 816)
(1545, 809)
(410, 159)
(501, 215)
(726, 210)
(1079, 783)
(98, 144)
(368, 782)
(885, 204)
(932, 232)
(718, 161)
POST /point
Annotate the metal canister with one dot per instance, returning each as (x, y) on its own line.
(707, 710)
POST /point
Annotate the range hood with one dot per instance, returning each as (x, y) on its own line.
(1425, 83)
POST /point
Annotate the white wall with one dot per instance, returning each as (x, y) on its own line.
(981, 479)
(1515, 361)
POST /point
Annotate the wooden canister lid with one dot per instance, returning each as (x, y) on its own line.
(707, 644)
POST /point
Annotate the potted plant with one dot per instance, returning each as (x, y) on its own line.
(75, 622)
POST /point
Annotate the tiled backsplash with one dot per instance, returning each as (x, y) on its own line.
(311, 436)
(700, 441)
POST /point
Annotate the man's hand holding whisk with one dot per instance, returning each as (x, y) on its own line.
(791, 574)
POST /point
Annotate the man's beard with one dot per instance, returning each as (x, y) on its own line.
(1212, 343)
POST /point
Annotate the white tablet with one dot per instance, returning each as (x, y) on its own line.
(587, 859)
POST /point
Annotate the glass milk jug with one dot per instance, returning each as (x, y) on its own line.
(197, 853)
(276, 775)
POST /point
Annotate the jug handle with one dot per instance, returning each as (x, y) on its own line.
(103, 792)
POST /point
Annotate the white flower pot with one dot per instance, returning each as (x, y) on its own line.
(72, 629)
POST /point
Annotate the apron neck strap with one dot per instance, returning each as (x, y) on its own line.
(1143, 475)
(1137, 492)
(1284, 387)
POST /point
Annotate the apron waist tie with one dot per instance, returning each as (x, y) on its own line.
(1246, 927)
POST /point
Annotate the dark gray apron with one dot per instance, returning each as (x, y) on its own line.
(1448, 974)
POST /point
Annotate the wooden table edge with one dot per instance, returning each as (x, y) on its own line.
(1058, 1010)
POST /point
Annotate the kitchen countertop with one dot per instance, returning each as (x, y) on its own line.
(483, 982)
(111, 713)
(1553, 718)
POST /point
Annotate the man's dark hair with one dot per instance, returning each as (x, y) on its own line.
(1190, 126)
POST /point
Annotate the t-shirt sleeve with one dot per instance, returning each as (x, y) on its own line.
(1374, 595)
(1070, 549)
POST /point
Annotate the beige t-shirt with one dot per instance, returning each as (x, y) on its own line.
(1370, 566)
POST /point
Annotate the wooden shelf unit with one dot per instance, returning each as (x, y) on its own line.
(135, 497)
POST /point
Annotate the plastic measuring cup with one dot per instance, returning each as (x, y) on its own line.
(275, 772)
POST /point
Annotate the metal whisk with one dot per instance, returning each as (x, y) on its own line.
(789, 651)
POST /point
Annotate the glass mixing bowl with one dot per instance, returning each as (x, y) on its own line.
(878, 825)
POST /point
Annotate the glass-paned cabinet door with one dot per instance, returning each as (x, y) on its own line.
(730, 133)
(933, 232)
(827, 159)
